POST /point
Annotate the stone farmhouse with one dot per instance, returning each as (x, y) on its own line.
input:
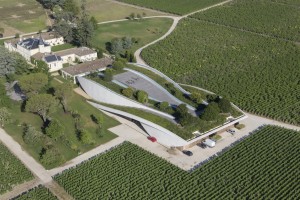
(38, 47)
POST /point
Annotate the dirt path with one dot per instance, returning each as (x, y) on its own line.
(138, 52)
(58, 191)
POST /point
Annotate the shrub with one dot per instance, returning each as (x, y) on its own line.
(108, 75)
(196, 97)
(142, 96)
(216, 137)
(211, 112)
(118, 65)
(239, 126)
(128, 92)
(163, 105)
(224, 105)
(85, 137)
(31, 135)
(55, 129)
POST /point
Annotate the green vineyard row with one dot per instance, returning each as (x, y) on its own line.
(266, 165)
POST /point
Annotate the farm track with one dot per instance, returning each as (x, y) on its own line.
(138, 52)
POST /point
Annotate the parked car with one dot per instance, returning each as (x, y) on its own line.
(188, 153)
(231, 131)
(202, 145)
(152, 139)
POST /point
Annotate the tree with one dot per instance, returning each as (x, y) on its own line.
(211, 98)
(211, 112)
(139, 16)
(5, 116)
(71, 6)
(12, 63)
(31, 135)
(63, 92)
(132, 16)
(127, 42)
(99, 119)
(64, 29)
(94, 22)
(55, 129)
(224, 105)
(84, 32)
(116, 46)
(108, 75)
(51, 156)
(41, 104)
(118, 65)
(85, 137)
(142, 96)
(128, 92)
(196, 97)
(33, 83)
(163, 105)
(183, 116)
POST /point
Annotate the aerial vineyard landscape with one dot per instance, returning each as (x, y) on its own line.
(12, 171)
(266, 17)
(251, 169)
(258, 73)
(149, 99)
(174, 6)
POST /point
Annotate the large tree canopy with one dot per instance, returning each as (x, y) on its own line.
(41, 104)
(33, 83)
(11, 63)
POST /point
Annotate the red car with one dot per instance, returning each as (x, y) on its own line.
(152, 139)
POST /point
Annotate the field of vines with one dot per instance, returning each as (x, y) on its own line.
(259, 74)
(12, 171)
(38, 193)
(260, 16)
(266, 165)
(174, 6)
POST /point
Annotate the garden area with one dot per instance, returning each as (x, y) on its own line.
(52, 123)
(251, 169)
(186, 123)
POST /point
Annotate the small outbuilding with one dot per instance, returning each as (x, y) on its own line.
(209, 143)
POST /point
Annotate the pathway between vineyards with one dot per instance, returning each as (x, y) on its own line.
(42, 175)
(176, 19)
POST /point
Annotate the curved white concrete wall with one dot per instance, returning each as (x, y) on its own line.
(163, 136)
(105, 95)
(162, 75)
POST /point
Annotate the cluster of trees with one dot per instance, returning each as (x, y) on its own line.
(119, 45)
(72, 21)
(137, 16)
(140, 95)
(234, 64)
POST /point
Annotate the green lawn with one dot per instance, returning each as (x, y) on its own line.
(62, 47)
(69, 147)
(146, 30)
(104, 10)
(21, 16)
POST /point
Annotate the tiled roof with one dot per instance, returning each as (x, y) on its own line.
(81, 51)
(88, 66)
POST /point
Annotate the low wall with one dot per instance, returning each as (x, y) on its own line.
(163, 136)
(105, 95)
